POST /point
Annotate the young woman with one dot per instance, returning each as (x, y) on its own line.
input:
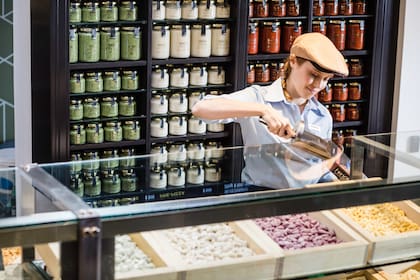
(271, 114)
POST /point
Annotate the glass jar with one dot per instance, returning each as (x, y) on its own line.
(195, 174)
(128, 180)
(318, 8)
(90, 161)
(270, 39)
(261, 8)
(94, 133)
(338, 112)
(92, 183)
(75, 12)
(250, 77)
(128, 11)
(355, 34)
(76, 163)
(201, 40)
(220, 39)
(158, 178)
(131, 130)
(353, 112)
(253, 36)
(160, 77)
(331, 7)
(112, 81)
(159, 127)
(130, 80)
(159, 155)
(207, 9)
(198, 76)
(111, 183)
(355, 91)
(76, 184)
(180, 41)
(212, 173)
(194, 97)
(326, 94)
(159, 104)
(173, 9)
(176, 176)
(292, 8)
(178, 125)
(91, 108)
(189, 9)
(130, 43)
(179, 77)
(91, 12)
(94, 82)
(356, 67)
(278, 8)
(196, 151)
(77, 134)
(177, 152)
(178, 103)
(360, 7)
(158, 10)
(348, 136)
(251, 8)
(214, 150)
(336, 31)
(161, 37)
(338, 137)
(345, 7)
(290, 31)
(127, 106)
(215, 127)
(126, 158)
(217, 75)
(196, 125)
(340, 92)
(77, 83)
(109, 11)
(73, 45)
(222, 9)
(276, 70)
(89, 44)
(113, 132)
(262, 73)
(110, 43)
(319, 26)
(111, 161)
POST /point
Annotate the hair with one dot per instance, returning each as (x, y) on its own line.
(288, 68)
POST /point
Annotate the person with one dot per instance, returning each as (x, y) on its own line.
(270, 114)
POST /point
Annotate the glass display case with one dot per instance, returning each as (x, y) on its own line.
(91, 217)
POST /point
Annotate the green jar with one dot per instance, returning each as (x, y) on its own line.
(94, 82)
(111, 161)
(90, 161)
(111, 183)
(77, 134)
(130, 80)
(130, 43)
(126, 200)
(127, 106)
(131, 130)
(109, 11)
(76, 110)
(128, 11)
(112, 81)
(89, 44)
(75, 12)
(76, 163)
(110, 43)
(77, 83)
(91, 108)
(73, 45)
(76, 184)
(109, 107)
(94, 133)
(128, 180)
(92, 183)
(113, 132)
(127, 160)
(91, 12)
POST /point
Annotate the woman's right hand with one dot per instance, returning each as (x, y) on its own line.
(277, 123)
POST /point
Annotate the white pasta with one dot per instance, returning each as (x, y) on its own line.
(128, 257)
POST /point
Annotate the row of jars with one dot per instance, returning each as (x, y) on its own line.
(344, 34)
(108, 43)
(107, 107)
(94, 11)
(190, 9)
(345, 112)
(196, 40)
(113, 131)
(163, 103)
(273, 8)
(341, 92)
(180, 125)
(339, 7)
(343, 138)
(112, 80)
(184, 76)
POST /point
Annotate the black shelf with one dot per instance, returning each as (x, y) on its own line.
(108, 23)
(192, 21)
(261, 57)
(344, 102)
(107, 145)
(191, 88)
(343, 17)
(349, 78)
(107, 93)
(103, 119)
(190, 136)
(347, 124)
(278, 18)
(107, 64)
(192, 60)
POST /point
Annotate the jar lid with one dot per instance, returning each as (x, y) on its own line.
(127, 98)
(90, 155)
(196, 26)
(271, 23)
(180, 26)
(91, 100)
(352, 105)
(76, 102)
(130, 28)
(318, 22)
(88, 29)
(74, 4)
(112, 73)
(94, 74)
(109, 99)
(108, 153)
(220, 25)
(75, 157)
(127, 172)
(160, 27)
(355, 84)
(94, 125)
(131, 123)
(91, 4)
(77, 126)
(129, 72)
(127, 151)
(110, 28)
(113, 124)
(357, 21)
(355, 60)
(337, 21)
(197, 93)
(127, 2)
(340, 84)
(109, 3)
(298, 23)
(78, 75)
(337, 105)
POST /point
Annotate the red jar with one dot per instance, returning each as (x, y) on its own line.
(292, 8)
(270, 37)
(340, 92)
(325, 95)
(360, 7)
(355, 91)
(253, 37)
(348, 134)
(336, 31)
(276, 70)
(356, 34)
(262, 73)
(261, 8)
(338, 137)
(318, 8)
(319, 26)
(251, 9)
(278, 8)
(352, 112)
(356, 67)
(331, 7)
(290, 31)
(345, 7)
(338, 112)
(250, 78)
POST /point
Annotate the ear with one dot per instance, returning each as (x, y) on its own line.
(292, 60)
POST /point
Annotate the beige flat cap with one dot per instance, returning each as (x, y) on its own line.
(321, 51)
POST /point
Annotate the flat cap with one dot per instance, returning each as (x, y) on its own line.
(321, 51)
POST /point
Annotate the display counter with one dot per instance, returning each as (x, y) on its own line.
(88, 214)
